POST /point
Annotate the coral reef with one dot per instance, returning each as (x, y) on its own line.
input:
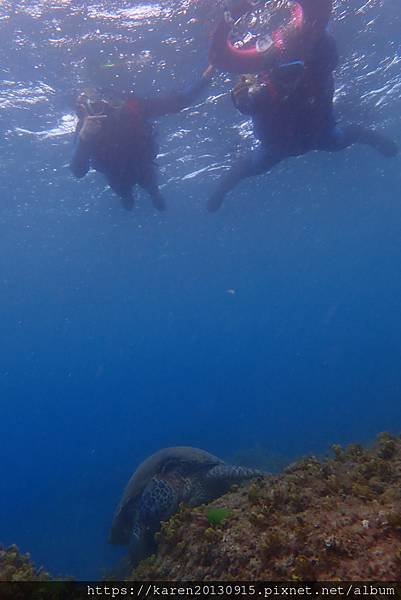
(338, 518)
(15, 566)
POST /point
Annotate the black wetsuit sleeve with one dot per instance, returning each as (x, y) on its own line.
(157, 106)
(317, 12)
(80, 162)
(325, 54)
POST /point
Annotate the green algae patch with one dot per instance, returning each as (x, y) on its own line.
(217, 516)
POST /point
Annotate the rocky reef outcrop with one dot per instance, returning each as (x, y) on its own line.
(319, 520)
(338, 518)
(15, 566)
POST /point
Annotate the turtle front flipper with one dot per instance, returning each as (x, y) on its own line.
(139, 547)
(158, 502)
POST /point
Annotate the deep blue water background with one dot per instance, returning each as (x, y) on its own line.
(273, 325)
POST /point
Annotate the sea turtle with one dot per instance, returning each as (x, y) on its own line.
(160, 484)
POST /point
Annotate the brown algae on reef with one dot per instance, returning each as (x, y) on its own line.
(15, 566)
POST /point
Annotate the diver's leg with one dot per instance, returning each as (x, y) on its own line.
(370, 137)
(157, 198)
(340, 138)
(128, 201)
(258, 162)
(149, 181)
(125, 192)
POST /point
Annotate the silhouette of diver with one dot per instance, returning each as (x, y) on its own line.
(118, 140)
(291, 106)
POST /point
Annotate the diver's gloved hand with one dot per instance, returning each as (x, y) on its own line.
(209, 72)
(243, 92)
(91, 127)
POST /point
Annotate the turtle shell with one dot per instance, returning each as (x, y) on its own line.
(184, 458)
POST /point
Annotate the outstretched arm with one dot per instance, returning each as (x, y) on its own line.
(317, 13)
(325, 54)
(157, 106)
(80, 161)
(85, 138)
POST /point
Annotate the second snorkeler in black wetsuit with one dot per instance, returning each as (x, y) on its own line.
(118, 140)
(291, 106)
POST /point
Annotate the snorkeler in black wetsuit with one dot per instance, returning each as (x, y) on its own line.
(291, 106)
(119, 141)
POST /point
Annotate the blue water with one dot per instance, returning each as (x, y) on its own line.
(274, 324)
